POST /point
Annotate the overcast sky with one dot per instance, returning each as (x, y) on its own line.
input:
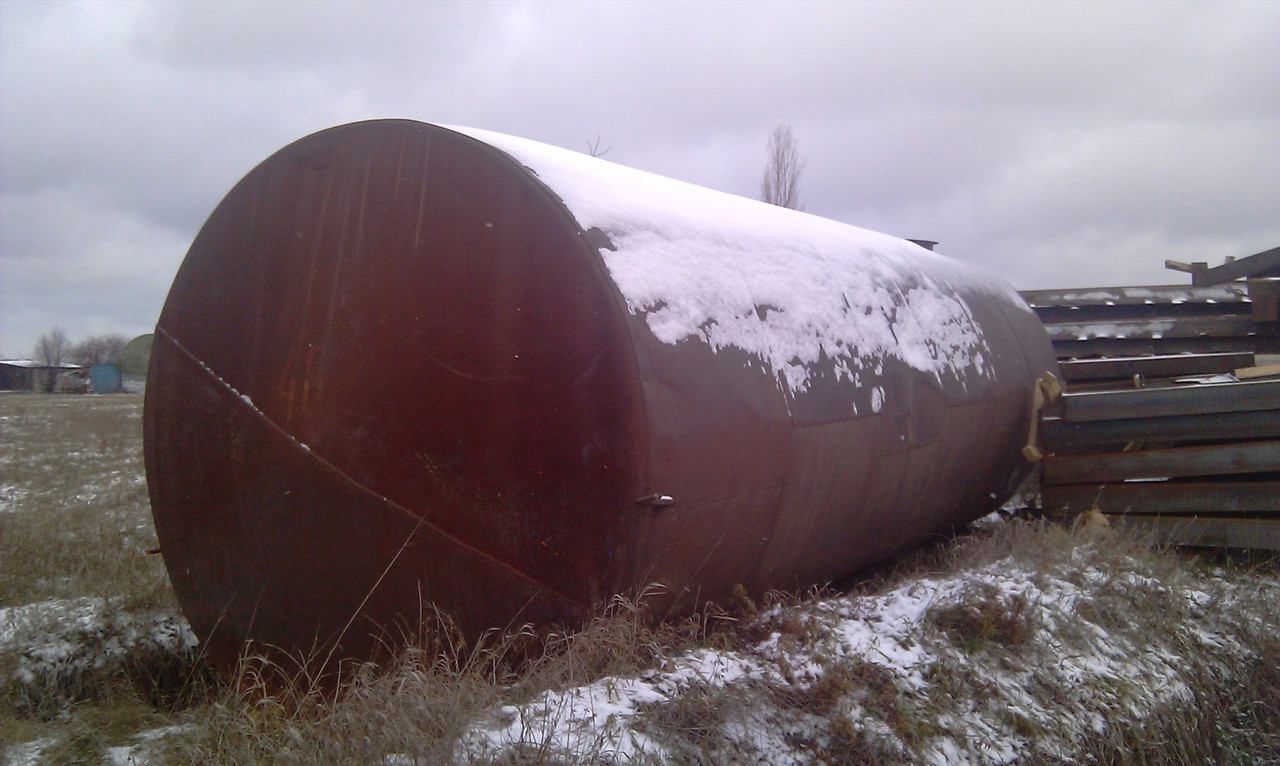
(1058, 144)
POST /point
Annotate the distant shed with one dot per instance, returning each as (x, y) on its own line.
(105, 379)
(29, 375)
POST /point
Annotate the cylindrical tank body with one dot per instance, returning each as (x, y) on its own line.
(405, 365)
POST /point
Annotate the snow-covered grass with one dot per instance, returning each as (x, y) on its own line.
(1022, 642)
(91, 644)
(56, 652)
(1028, 644)
(1018, 642)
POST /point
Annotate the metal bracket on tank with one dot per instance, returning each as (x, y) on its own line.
(1048, 389)
(656, 500)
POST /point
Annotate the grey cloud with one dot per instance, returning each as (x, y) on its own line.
(1057, 143)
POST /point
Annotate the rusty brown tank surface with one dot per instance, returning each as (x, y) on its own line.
(404, 364)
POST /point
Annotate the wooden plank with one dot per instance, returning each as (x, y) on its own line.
(1261, 371)
(1156, 329)
(1166, 366)
(1165, 497)
(1214, 460)
(1119, 296)
(1245, 396)
(1252, 534)
(1057, 435)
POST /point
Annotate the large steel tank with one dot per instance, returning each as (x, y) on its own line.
(405, 365)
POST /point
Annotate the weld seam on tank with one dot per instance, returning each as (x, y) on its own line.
(592, 241)
(421, 521)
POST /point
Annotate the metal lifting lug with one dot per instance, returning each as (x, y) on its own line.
(657, 500)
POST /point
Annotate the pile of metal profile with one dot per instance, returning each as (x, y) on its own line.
(1169, 419)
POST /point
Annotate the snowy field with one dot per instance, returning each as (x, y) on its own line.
(1019, 642)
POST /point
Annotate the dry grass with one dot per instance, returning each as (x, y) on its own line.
(73, 500)
(420, 709)
(1150, 597)
(76, 585)
(76, 524)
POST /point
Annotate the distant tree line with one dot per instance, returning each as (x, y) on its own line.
(54, 349)
(98, 349)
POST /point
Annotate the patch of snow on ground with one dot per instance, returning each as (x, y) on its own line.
(65, 637)
(25, 753)
(907, 671)
(10, 496)
(597, 718)
(143, 751)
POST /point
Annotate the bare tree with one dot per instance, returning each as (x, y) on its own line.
(49, 351)
(99, 349)
(594, 148)
(781, 184)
